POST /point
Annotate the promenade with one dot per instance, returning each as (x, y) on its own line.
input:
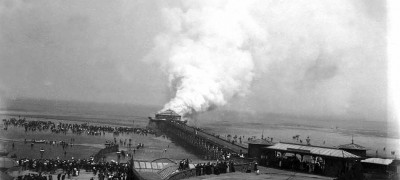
(265, 173)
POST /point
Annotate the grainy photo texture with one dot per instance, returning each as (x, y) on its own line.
(198, 89)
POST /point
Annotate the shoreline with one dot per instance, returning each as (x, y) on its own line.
(338, 136)
(70, 118)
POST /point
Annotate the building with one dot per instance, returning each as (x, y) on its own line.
(255, 149)
(354, 149)
(378, 168)
(168, 115)
(328, 161)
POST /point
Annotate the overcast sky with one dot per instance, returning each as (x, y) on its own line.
(97, 50)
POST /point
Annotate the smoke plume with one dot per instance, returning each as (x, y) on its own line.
(213, 50)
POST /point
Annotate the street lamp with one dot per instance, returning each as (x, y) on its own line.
(41, 153)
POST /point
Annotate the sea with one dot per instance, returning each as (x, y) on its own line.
(381, 138)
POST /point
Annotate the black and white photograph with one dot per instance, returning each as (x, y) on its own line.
(199, 89)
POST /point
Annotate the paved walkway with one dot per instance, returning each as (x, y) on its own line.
(286, 173)
(265, 173)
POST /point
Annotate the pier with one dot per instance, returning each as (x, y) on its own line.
(208, 145)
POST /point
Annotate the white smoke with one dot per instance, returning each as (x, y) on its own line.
(212, 50)
(208, 62)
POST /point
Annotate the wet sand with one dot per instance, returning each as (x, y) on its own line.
(85, 145)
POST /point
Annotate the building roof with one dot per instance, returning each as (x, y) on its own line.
(168, 112)
(312, 150)
(352, 146)
(261, 142)
(378, 161)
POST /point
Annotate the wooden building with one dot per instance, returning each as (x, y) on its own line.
(378, 168)
(328, 161)
(354, 149)
(255, 150)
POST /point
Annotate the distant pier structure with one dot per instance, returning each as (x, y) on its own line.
(207, 145)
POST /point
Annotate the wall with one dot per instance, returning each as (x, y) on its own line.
(192, 172)
(104, 151)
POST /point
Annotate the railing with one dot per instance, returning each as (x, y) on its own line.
(192, 172)
(207, 136)
(182, 174)
(168, 171)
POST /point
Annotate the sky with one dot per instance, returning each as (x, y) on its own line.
(319, 62)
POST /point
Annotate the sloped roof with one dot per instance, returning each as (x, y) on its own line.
(378, 161)
(352, 146)
(168, 112)
(261, 141)
(314, 150)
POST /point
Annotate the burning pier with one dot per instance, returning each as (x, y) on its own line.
(207, 145)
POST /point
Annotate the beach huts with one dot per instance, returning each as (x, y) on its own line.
(354, 149)
(328, 161)
(380, 168)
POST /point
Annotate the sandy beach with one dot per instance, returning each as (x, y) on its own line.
(86, 145)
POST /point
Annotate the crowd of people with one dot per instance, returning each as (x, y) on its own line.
(70, 168)
(73, 167)
(32, 176)
(95, 130)
(316, 165)
(75, 128)
(216, 168)
(183, 164)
